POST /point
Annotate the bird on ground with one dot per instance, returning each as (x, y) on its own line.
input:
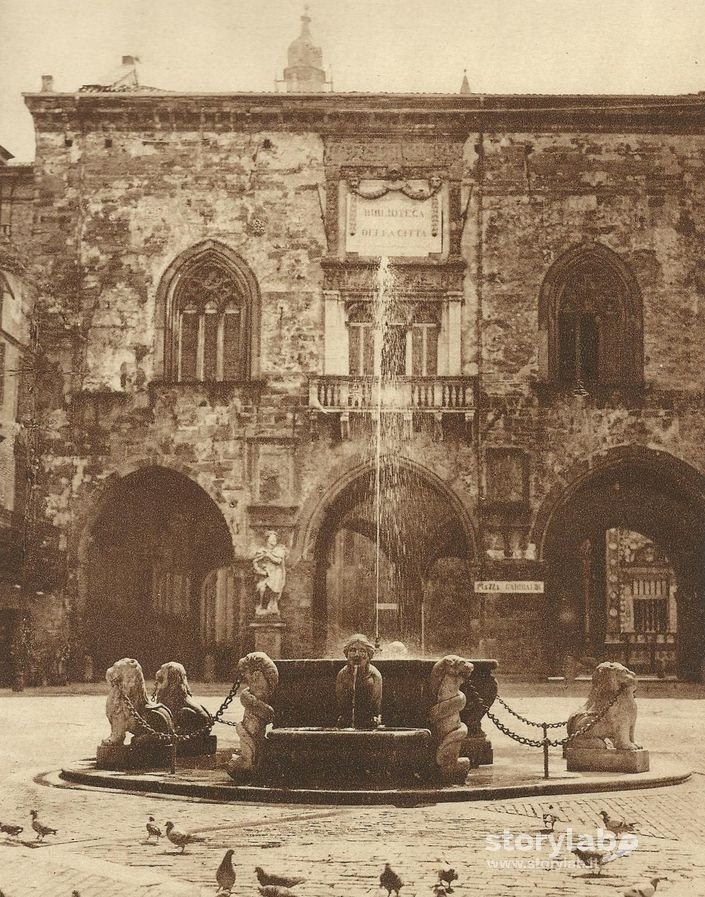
(225, 876)
(276, 891)
(647, 889)
(447, 876)
(549, 819)
(439, 889)
(8, 829)
(153, 830)
(40, 829)
(594, 858)
(282, 881)
(390, 881)
(615, 825)
(179, 838)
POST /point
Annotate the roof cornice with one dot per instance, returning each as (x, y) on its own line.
(365, 112)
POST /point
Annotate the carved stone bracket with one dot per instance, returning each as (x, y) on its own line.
(430, 281)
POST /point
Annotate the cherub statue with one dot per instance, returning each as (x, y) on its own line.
(270, 567)
(358, 686)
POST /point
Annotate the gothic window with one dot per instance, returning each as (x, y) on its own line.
(591, 309)
(409, 343)
(210, 337)
(208, 309)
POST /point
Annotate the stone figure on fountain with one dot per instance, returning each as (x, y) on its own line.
(358, 686)
(269, 563)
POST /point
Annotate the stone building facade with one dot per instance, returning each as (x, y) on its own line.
(215, 362)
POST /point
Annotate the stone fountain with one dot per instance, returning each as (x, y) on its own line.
(395, 723)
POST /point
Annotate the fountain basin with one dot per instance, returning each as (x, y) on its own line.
(325, 758)
(305, 698)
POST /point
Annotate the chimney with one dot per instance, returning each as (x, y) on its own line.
(47, 83)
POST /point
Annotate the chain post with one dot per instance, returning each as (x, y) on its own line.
(172, 755)
(545, 750)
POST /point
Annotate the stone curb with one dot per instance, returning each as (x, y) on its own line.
(667, 772)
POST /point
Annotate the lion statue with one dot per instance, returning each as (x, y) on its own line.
(450, 732)
(615, 730)
(173, 691)
(125, 677)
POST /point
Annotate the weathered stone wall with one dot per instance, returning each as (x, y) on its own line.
(117, 205)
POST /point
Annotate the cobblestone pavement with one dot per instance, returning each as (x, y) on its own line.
(100, 849)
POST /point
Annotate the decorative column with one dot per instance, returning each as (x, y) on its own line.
(453, 334)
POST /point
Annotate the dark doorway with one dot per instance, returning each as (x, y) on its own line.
(155, 540)
(408, 597)
(625, 580)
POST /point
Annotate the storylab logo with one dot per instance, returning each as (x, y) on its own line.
(555, 850)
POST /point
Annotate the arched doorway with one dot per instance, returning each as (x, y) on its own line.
(155, 539)
(625, 567)
(422, 592)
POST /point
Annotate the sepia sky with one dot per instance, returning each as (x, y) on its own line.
(507, 46)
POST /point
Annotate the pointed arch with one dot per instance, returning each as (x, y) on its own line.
(208, 314)
(591, 319)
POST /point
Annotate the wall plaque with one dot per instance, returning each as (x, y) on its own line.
(394, 220)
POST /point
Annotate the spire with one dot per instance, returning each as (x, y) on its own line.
(304, 72)
(465, 86)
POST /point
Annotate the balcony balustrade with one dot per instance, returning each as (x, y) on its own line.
(436, 396)
(444, 394)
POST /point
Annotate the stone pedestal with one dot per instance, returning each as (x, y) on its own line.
(268, 635)
(596, 760)
(144, 755)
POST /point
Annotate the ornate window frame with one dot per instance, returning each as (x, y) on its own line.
(167, 311)
(630, 313)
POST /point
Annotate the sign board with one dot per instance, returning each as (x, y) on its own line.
(393, 225)
(493, 586)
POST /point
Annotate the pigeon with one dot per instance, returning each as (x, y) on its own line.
(153, 829)
(40, 829)
(282, 881)
(447, 876)
(225, 876)
(390, 881)
(617, 826)
(8, 829)
(275, 891)
(549, 819)
(647, 889)
(439, 889)
(179, 838)
(594, 858)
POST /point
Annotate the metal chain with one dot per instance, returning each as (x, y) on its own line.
(226, 703)
(586, 728)
(535, 742)
(173, 737)
(528, 721)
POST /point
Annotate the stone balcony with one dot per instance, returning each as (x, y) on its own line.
(435, 396)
